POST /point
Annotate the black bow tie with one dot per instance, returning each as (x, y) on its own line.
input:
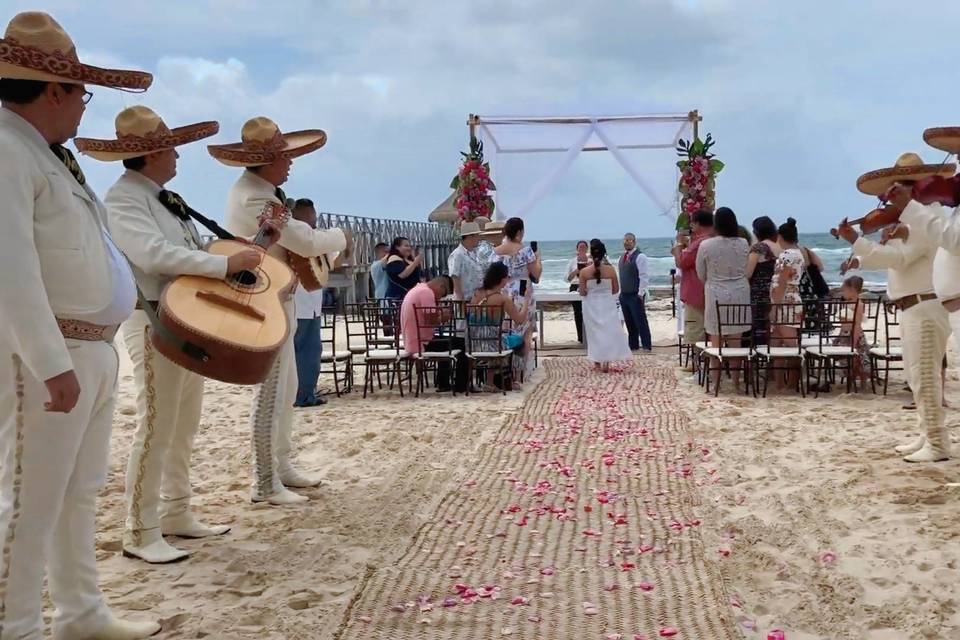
(66, 156)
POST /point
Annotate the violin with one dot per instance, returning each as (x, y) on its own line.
(945, 191)
(875, 220)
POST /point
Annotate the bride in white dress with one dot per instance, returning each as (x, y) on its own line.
(606, 339)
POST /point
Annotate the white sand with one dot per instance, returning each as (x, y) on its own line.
(797, 478)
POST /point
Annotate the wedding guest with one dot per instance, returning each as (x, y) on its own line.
(785, 289)
(378, 273)
(404, 268)
(523, 266)
(691, 287)
(722, 266)
(419, 336)
(578, 262)
(464, 263)
(760, 263)
(492, 294)
(634, 279)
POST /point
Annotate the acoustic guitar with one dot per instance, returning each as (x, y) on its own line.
(313, 272)
(239, 323)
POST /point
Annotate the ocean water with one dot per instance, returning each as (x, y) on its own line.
(556, 255)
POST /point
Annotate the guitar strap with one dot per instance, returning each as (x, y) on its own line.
(65, 156)
(178, 207)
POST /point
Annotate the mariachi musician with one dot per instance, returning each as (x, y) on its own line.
(265, 155)
(923, 320)
(151, 226)
(66, 288)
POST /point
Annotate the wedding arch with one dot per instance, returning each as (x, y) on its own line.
(568, 136)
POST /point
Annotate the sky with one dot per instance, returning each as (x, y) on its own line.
(802, 97)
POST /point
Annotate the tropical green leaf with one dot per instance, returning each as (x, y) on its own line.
(716, 166)
(683, 221)
(455, 183)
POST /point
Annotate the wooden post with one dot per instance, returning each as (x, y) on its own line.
(472, 121)
(695, 119)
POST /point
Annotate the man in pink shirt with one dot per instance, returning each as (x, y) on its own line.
(691, 287)
(417, 339)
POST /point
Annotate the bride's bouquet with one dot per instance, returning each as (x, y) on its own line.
(698, 171)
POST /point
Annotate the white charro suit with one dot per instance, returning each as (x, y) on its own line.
(160, 246)
(272, 413)
(942, 228)
(56, 261)
(924, 328)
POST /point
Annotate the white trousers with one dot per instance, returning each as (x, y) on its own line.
(53, 466)
(925, 329)
(169, 403)
(271, 416)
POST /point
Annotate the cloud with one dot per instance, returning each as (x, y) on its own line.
(801, 100)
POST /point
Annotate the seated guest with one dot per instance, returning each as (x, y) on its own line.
(421, 337)
(492, 294)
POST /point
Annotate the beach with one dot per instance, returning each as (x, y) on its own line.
(817, 526)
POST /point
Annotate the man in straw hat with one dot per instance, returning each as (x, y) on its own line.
(67, 289)
(933, 223)
(266, 154)
(464, 263)
(924, 324)
(161, 242)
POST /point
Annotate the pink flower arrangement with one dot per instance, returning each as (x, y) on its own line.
(698, 172)
(472, 184)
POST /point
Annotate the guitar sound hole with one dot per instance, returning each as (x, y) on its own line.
(250, 282)
(246, 278)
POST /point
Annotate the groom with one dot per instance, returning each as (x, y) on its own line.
(634, 278)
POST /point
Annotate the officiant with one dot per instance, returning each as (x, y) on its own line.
(578, 262)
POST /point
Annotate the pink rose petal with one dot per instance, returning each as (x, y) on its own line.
(668, 632)
(645, 586)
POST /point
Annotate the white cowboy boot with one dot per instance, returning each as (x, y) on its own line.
(290, 476)
(152, 548)
(281, 497)
(118, 629)
(935, 449)
(913, 446)
(186, 525)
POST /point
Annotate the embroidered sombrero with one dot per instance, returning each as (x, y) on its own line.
(35, 47)
(140, 131)
(908, 166)
(262, 143)
(943, 138)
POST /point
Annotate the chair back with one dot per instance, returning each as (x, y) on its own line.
(354, 316)
(785, 326)
(441, 321)
(891, 326)
(328, 332)
(485, 328)
(836, 320)
(872, 306)
(382, 326)
(739, 317)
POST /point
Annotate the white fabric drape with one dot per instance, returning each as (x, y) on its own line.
(642, 145)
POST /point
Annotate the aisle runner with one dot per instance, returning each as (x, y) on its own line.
(577, 522)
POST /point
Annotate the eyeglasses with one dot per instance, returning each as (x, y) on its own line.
(87, 97)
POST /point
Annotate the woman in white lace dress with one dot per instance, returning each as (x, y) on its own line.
(606, 340)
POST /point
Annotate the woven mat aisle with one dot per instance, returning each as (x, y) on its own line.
(578, 522)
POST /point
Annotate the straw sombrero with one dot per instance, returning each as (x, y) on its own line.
(140, 131)
(35, 47)
(493, 228)
(943, 138)
(262, 143)
(908, 166)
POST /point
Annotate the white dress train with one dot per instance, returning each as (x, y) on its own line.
(606, 338)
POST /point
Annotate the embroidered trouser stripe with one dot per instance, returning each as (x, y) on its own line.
(263, 420)
(150, 428)
(11, 533)
(925, 329)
